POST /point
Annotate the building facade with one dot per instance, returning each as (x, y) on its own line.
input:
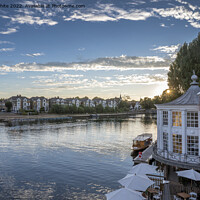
(178, 130)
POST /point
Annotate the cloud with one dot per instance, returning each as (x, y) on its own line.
(80, 82)
(7, 49)
(28, 19)
(167, 49)
(180, 13)
(9, 31)
(35, 54)
(111, 63)
(81, 49)
(163, 25)
(189, 5)
(108, 12)
(6, 42)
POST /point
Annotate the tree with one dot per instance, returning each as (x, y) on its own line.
(187, 60)
(8, 105)
(146, 103)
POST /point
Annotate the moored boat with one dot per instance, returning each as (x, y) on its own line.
(142, 141)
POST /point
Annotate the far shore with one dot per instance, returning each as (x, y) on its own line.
(8, 117)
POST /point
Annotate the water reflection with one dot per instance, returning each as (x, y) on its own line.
(80, 159)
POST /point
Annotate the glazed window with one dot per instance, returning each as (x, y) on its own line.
(176, 119)
(165, 141)
(192, 119)
(177, 143)
(165, 117)
(193, 145)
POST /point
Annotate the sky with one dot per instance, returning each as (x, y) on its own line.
(92, 48)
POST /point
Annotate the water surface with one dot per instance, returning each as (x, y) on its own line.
(67, 160)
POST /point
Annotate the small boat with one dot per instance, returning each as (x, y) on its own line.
(142, 141)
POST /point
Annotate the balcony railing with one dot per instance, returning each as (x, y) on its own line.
(176, 159)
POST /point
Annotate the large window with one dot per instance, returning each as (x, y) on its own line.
(165, 141)
(192, 119)
(165, 117)
(193, 145)
(176, 119)
(177, 143)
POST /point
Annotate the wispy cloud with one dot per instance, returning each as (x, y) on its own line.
(181, 13)
(108, 12)
(28, 19)
(6, 42)
(9, 31)
(167, 49)
(189, 5)
(7, 49)
(81, 82)
(34, 54)
(122, 63)
(81, 49)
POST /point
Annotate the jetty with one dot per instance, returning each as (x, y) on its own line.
(146, 155)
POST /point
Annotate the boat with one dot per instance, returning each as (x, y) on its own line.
(142, 141)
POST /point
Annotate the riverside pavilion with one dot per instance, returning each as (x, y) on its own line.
(178, 130)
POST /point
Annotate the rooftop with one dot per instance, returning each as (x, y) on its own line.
(191, 97)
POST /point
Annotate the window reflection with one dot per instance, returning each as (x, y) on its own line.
(176, 119)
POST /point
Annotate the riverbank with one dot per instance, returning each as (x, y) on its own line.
(9, 117)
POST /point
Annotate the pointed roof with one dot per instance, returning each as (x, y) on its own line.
(191, 97)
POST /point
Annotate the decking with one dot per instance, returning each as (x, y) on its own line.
(146, 155)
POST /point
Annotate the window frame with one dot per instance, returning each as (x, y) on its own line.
(165, 118)
(177, 142)
(165, 141)
(192, 119)
(176, 118)
(192, 148)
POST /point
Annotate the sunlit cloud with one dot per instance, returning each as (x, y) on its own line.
(34, 54)
(28, 19)
(121, 63)
(9, 31)
(180, 13)
(167, 49)
(6, 42)
(7, 49)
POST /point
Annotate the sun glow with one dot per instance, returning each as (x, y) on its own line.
(168, 91)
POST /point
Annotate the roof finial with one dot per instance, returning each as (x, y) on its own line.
(194, 77)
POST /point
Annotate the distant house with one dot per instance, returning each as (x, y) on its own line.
(2, 105)
(113, 102)
(137, 106)
(19, 102)
(39, 102)
(56, 101)
(85, 101)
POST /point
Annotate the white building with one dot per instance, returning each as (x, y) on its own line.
(178, 130)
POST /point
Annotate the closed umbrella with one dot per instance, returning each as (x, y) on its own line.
(124, 194)
(143, 168)
(136, 182)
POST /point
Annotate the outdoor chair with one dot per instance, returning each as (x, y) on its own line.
(157, 187)
(193, 196)
(157, 197)
(176, 198)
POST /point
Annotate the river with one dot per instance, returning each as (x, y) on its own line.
(71, 160)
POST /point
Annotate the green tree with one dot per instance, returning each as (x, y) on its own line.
(99, 108)
(147, 103)
(8, 105)
(187, 60)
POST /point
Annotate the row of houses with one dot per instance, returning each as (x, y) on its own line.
(37, 103)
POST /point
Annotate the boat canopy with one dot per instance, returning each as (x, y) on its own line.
(143, 137)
